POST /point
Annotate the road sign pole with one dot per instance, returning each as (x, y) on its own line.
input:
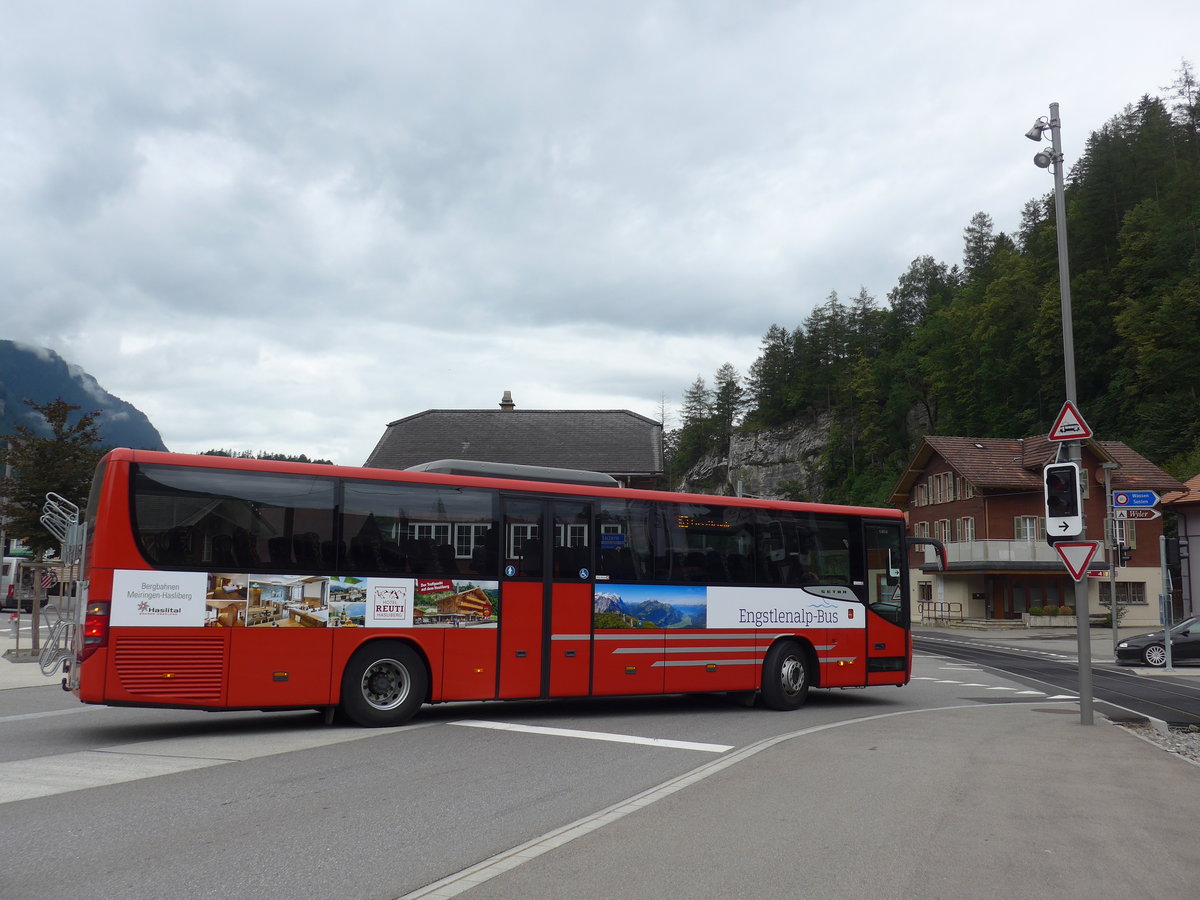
(1110, 544)
(1166, 600)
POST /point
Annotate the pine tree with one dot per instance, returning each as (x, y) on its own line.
(978, 244)
(728, 400)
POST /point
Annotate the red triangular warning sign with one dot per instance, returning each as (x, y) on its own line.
(1069, 426)
(1077, 556)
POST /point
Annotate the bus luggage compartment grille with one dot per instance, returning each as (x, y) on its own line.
(180, 670)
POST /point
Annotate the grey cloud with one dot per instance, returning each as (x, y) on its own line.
(244, 217)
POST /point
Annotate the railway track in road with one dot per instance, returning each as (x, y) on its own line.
(1174, 700)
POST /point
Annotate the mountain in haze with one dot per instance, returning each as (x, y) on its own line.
(41, 375)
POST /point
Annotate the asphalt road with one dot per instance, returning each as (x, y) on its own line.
(861, 791)
(1174, 699)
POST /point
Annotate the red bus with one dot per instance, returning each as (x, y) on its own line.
(219, 584)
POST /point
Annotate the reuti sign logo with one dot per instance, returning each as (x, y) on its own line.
(390, 601)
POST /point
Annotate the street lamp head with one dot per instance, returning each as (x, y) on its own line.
(1035, 133)
(1043, 160)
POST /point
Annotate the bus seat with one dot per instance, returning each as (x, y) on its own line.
(334, 553)
(307, 550)
(280, 550)
(222, 550)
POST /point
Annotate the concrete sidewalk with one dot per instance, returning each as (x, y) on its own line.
(991, 801)
(26, 672)
(983, 802)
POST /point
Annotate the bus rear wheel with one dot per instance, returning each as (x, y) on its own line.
(785, 676)
(384, 684)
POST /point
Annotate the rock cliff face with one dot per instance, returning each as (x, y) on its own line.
(767, 463)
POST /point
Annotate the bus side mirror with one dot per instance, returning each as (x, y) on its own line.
(940, 555)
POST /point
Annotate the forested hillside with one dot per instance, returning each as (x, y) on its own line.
(975, 349)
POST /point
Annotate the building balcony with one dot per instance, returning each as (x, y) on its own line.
(1001, 555)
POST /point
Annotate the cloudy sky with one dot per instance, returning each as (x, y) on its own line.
(281, 225)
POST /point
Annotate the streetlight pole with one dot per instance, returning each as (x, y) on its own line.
(1054, 162)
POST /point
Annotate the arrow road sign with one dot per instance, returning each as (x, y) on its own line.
(1134, 498)
(1139, 513)
(1077, 556)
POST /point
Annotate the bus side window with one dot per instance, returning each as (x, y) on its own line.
(803, 548)
(419, 529)
(626, 552)
(199, 518)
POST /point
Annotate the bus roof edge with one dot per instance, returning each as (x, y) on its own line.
(484, 469)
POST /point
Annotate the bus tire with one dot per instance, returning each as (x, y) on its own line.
(384, 684)
(786, 676)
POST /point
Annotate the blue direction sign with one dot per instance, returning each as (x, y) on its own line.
(1124, 499)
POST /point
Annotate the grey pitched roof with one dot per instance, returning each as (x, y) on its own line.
(615, 441)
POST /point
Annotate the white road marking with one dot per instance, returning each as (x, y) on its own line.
(596, 736)
(44, 776)
(28, 778)
(50, 712)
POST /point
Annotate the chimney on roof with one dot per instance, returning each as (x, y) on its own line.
(506, 402)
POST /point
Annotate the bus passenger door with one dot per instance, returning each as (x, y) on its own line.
(546, 598)
(571, 583)
(888, 617)
(522, 597)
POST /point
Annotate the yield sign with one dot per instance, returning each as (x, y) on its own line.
(1069, 426)
(1076, 556)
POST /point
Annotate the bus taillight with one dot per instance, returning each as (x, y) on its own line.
(95, 628)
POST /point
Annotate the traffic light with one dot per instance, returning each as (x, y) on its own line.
(1064, 506)
(1124, 551)
(1177, 550)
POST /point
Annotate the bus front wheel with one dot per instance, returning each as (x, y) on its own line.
(384, 684)
(785, 676)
